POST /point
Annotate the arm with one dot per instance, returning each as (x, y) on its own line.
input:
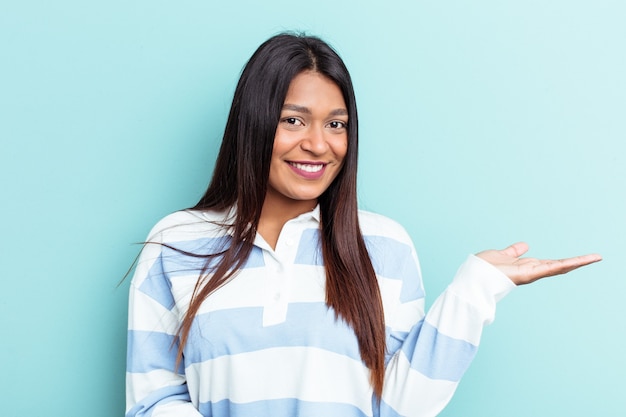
(424, 373)
(153, 386)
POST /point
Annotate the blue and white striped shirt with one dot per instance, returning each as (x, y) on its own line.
(266, 344)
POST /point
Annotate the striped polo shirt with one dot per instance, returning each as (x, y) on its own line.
(266, 345)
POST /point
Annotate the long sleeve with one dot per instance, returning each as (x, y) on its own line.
(424, 372)
(153, 386)
(427, 353)
(266, 344)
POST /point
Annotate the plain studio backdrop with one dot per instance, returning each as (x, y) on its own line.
(482, 123)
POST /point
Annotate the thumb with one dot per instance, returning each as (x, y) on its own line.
(515, 250)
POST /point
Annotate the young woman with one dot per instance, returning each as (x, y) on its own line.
(274, 296)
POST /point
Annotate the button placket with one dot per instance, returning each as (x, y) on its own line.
(275, 305)
(279, 275)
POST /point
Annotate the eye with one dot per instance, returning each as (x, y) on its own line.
(294, 121)
(338, 124)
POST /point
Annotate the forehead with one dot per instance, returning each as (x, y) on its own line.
(310, 88)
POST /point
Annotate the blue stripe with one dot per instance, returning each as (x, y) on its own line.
(436, 355)
(394, 260)
(240, 330)
(288, 407)
(309, 249)
(157, 286)
(176, 263)
(390, 259)
(148, 351)
(394, 342)
(145, 407)
(172, 263)
(387, 411)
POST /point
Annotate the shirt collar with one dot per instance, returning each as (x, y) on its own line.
(230, 215)
(313, 214)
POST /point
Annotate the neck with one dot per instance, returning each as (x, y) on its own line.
(278, 210)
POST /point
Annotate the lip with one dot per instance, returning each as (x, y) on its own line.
(300, 169)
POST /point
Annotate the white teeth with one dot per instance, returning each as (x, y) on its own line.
(308, 167)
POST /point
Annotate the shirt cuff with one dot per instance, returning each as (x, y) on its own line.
(481, 284)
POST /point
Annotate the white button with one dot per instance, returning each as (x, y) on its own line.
(277, 297)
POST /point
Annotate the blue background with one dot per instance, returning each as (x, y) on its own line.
(483, 123)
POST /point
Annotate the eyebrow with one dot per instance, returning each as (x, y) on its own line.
(303, 109)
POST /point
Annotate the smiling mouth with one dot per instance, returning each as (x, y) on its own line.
(312, 168)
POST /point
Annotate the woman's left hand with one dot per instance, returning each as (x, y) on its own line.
(526, 270)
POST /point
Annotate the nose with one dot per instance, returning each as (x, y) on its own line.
(314, 141)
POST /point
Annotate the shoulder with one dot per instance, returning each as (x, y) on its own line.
(392, 254)
(190, 224)
(176, 236)
(373, 224)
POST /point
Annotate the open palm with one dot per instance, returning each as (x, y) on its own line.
(526, 270)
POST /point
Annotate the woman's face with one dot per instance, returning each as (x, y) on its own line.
(311, 139)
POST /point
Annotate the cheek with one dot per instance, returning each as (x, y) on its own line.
(283, 143)
(341, 149)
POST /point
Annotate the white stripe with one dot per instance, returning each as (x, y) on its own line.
(311, 284)
(187, 225)
(405, 316)
(465, 305)
(250, 288)
(140, 385)
(455, 318)
(427, 396)
(154, 317)
(176, 408)
(378, 225)
(305, 373)
(149, 254)
(399, 316)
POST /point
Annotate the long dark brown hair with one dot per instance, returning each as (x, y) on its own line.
(240, 179)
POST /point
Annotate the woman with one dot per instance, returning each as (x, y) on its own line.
(274, 296)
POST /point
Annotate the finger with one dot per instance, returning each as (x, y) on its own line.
(562, 266)
(515, 250)
(579, 261)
